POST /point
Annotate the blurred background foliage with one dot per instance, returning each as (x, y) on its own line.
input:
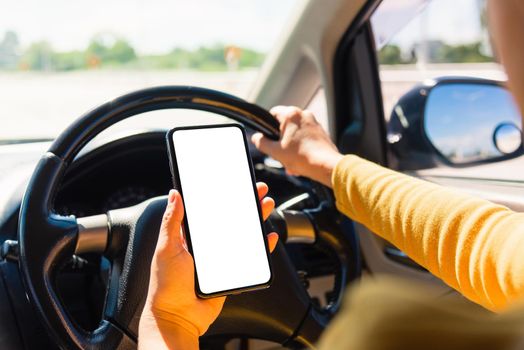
(114, 52)
(109, 51)
(437, 52)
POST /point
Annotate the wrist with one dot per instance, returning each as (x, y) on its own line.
(326, 166)
(159, 333)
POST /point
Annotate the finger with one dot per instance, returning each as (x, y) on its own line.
(272, 240)
(279, 112)
(262, 190)
(171, 236)
(282, 113)
(267, 204)
(175, 210)
(263, 144)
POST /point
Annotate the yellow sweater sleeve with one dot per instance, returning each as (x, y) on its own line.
(475, 246)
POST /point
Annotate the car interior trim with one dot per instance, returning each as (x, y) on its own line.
(93, 234)
(299, 227)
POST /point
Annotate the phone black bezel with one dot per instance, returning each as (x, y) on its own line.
(173, 165)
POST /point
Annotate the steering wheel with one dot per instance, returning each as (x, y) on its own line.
(283, 313)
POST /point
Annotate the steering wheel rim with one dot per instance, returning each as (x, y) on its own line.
(47, 240)
(71, 140)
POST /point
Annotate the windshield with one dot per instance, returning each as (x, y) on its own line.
(61, 58)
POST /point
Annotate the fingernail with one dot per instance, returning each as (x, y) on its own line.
(172, 196)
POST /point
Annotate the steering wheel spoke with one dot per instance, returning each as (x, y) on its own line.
(47, 241)
(93, 234)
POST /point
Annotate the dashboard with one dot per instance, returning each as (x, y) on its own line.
(132, 169)
(116, 175)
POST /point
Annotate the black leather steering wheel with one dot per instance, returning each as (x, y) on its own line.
(283, 313)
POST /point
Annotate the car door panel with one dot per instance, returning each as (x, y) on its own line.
(381, 257)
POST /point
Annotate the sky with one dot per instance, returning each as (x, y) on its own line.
(452, 21)
(152, 26)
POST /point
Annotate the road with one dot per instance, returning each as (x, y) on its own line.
(36, 104)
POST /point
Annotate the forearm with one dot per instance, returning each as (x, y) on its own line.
(472, 244)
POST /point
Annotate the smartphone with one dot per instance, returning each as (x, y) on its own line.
(223, 223)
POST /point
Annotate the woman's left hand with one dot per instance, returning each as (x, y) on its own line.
(173, 315)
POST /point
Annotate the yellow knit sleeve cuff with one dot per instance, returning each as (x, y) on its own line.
(341, 178)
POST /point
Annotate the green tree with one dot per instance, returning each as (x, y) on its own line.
(39, 56)
(208, 58)
(71, 60)
(466, 53)
(9, 50)
(99, 52)
(251, 58)
(121, 52)
(180, 58)
(390, 54)
(97, 48)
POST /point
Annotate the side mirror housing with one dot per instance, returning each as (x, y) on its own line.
(455, 122)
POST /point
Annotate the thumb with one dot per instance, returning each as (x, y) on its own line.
(264, 144)
(171, 239)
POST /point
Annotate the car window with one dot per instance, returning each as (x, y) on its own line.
(438, 48)
(59, 58)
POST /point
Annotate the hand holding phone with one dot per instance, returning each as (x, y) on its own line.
(223, 224)
(172, 307)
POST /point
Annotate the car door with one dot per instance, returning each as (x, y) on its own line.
(421, 53)
(354, 62)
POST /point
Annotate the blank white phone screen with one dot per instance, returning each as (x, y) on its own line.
(221, 209)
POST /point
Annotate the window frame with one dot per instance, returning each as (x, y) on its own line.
(359, 114)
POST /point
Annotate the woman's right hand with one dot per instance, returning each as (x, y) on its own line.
(304, 148)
